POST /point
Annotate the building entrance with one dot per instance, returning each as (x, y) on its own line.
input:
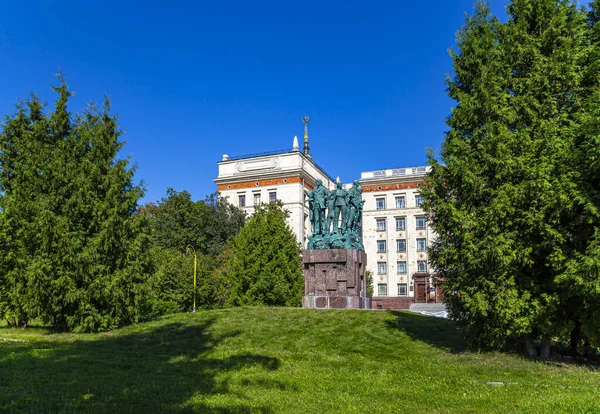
(421, 292)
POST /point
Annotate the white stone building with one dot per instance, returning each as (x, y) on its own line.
(249, 180)
(396, 236)
(394, 227)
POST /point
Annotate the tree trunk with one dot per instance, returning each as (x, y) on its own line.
(575, 337)
(545, 351)
(530, 347)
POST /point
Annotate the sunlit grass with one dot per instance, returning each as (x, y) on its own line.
(280, 360)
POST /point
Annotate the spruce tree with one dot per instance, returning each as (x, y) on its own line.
(513, 197)
(263, 263)
(74, 249)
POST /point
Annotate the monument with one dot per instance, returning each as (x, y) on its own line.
(335, 260)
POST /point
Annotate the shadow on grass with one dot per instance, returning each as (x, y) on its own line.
(438, 332)
(169, 368)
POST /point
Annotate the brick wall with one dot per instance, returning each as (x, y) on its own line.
(384, 302)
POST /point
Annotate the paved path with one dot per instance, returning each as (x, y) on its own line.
(430, 309)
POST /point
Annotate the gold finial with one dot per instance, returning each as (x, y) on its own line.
(305, 120)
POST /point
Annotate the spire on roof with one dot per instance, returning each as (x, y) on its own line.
(305, 122)
(295, 144)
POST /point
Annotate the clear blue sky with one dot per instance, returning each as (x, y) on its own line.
(194, 80)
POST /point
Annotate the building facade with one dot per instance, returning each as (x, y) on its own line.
(249, 180)
(394, 227)
(396, 236)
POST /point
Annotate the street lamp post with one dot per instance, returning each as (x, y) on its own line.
(189, 249)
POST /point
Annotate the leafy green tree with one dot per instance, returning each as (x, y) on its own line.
(263, 265)
(370, 283)
(178, 222)
(514, 197)
(173, 271)
(222, 221)
(74, 251)
(207, 225)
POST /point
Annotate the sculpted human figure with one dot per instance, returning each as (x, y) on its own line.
(311, 206)
(355, 204)
(330, 211)
(320, 196)
(340, 205)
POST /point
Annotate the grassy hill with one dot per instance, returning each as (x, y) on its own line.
(280, 360)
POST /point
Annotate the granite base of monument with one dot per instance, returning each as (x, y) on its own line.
(334, 279)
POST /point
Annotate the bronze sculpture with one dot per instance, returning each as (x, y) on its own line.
(319, 201)
(335, 217)
(355, 204)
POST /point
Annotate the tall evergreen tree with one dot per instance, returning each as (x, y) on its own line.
(73, 248)
(513, 197)
(262, 266)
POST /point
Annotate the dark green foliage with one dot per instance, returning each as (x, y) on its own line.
(514, 198)
(222, 221)
(207, 225)
(73, 250)
(370, 284)
(174, 279)
(178, 222)
(263, 265)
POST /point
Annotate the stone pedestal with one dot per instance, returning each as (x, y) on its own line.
(334, 279)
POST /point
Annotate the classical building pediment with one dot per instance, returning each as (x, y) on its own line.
(257, 165)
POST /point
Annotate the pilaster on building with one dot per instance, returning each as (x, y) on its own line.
(395, 231)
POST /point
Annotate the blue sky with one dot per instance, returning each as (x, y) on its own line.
(194, 80)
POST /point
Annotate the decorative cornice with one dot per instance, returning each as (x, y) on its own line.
(262, 183)
(261, 175)
(387, 187)
(258, 158)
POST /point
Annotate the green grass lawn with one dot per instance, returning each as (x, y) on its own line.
(280, 360)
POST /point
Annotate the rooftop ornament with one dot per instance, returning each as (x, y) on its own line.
(305, 121)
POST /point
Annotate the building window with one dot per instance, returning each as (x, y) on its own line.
(421, 223)
(400, 223)
(380, 202)
(273, 196)
(400, 245)
(380, 224)
(421, 266)
(400, 202)
(418, 200)
(381, 268)
(256, 199)
(401, 268)
(421, 245)
(242, 200)
(402, 289)
(381, 289)
(381, 246)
